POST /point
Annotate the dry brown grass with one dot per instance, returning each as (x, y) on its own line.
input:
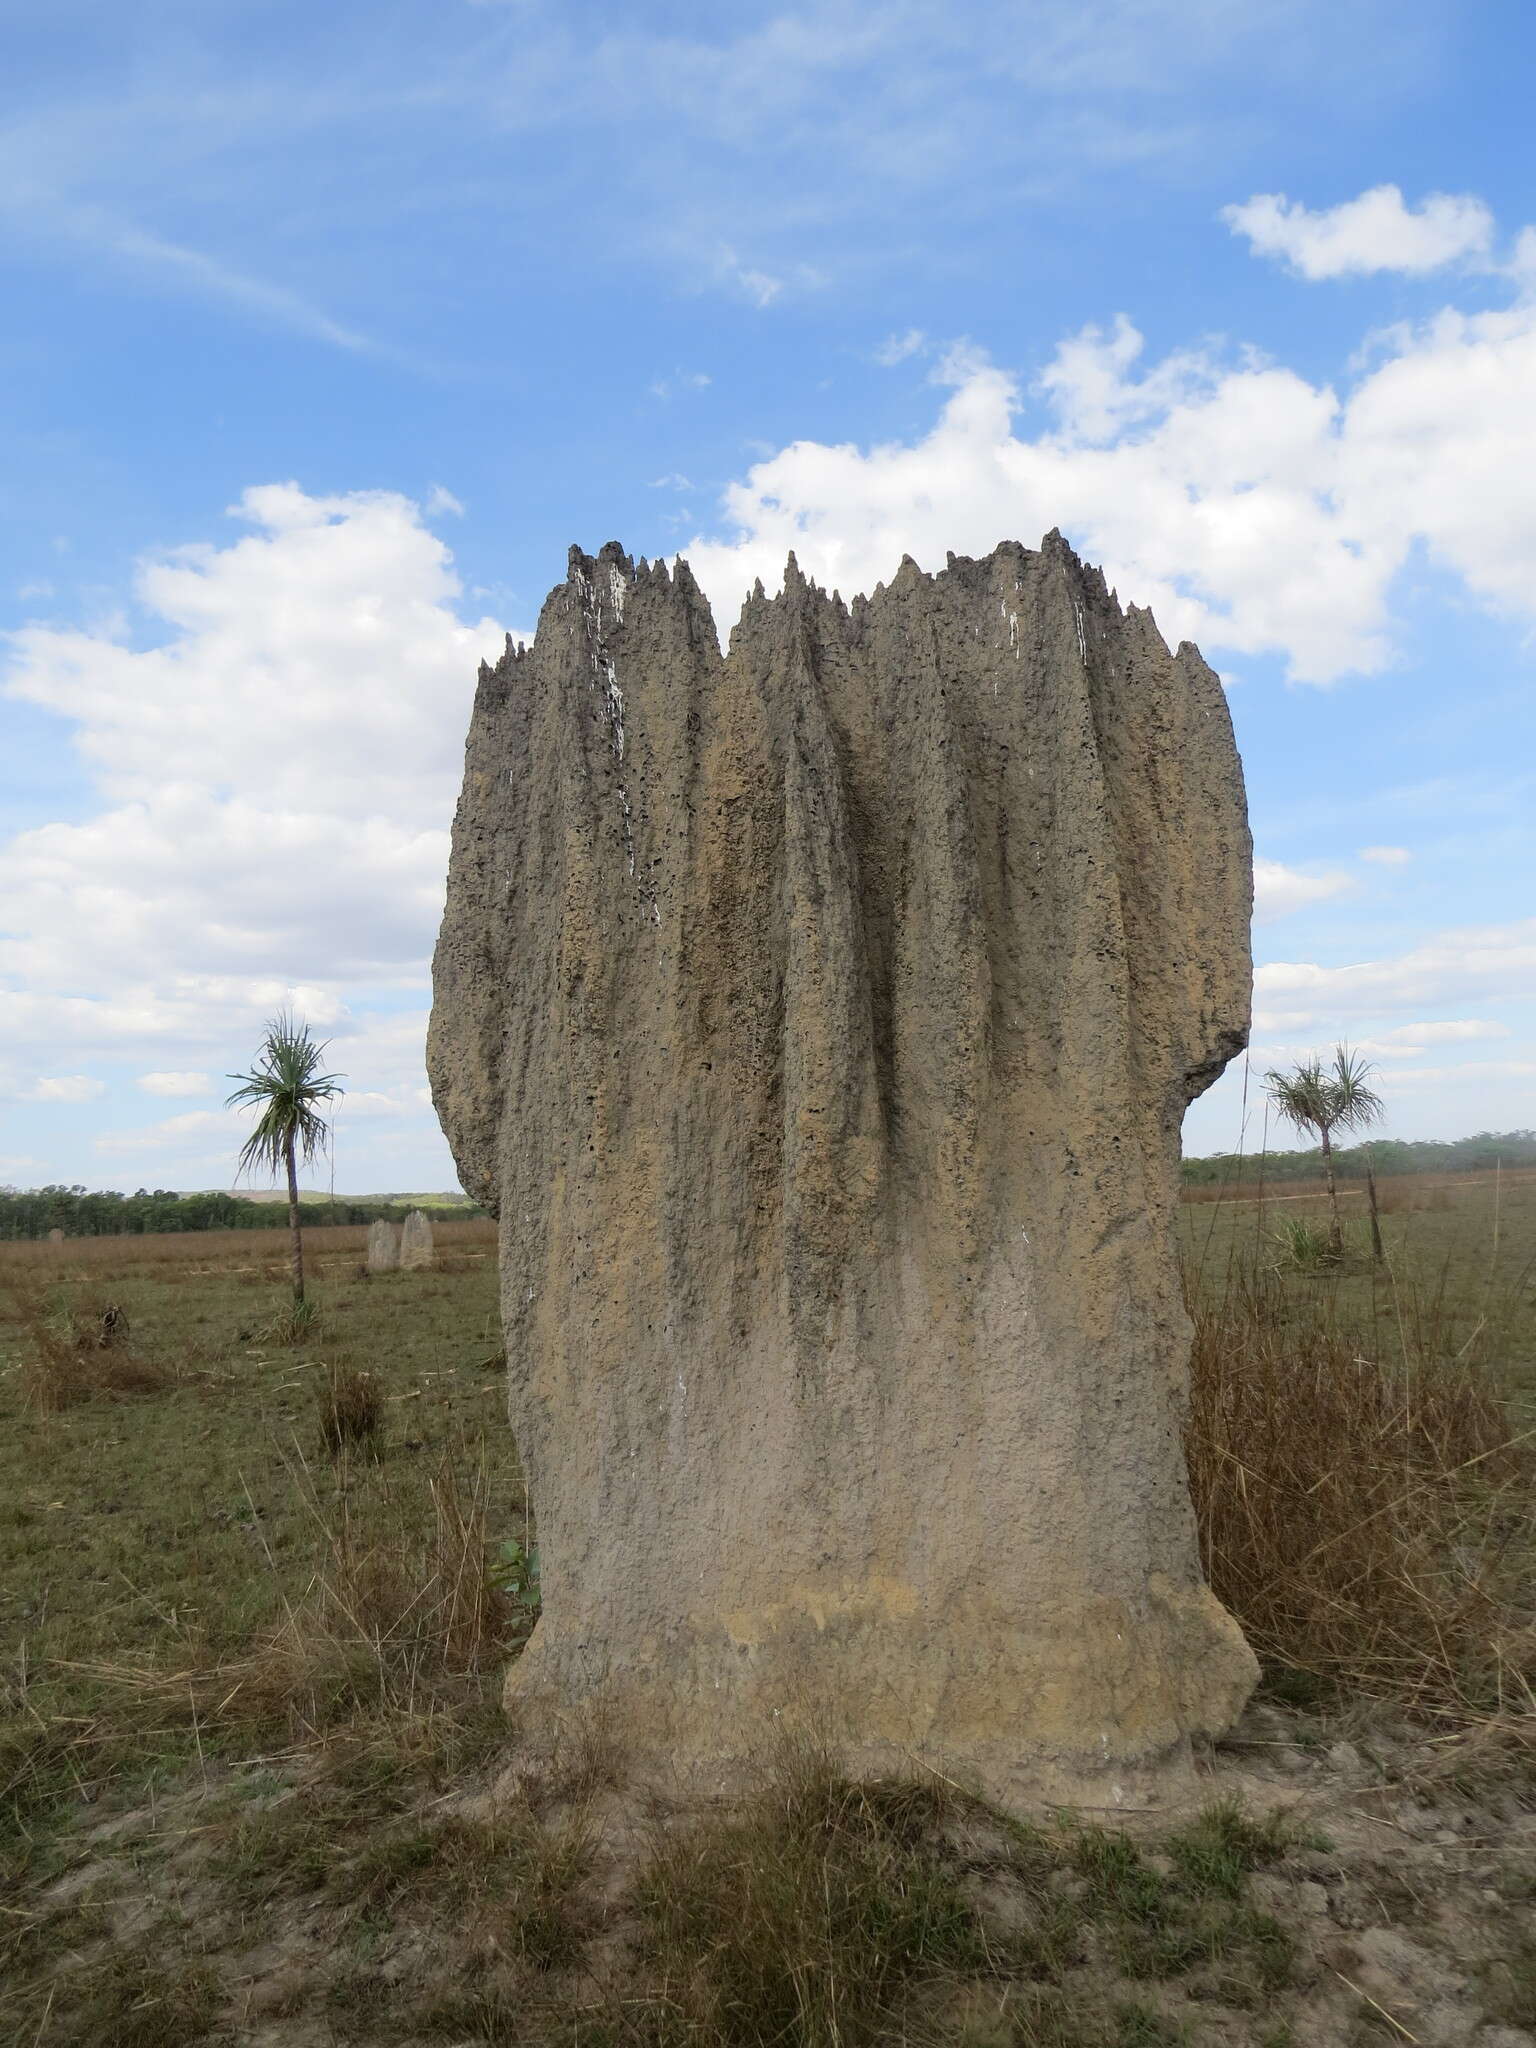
(351, 1411)
(1256, 1190)
(71, 1354)
(392, 1619)
(263, 1253)
(1365, 1522)
(403, 1621)
(1409, 1195)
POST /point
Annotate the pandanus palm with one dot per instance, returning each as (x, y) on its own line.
(288, 1088)
(1324, 1099)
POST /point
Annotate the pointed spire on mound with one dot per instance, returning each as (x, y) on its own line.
(819, 1019)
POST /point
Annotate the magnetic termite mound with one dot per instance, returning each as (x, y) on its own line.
(818, 1020)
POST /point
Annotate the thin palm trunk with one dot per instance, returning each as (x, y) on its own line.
(293, 1223)
(1377, 1251)
(1335, 1228)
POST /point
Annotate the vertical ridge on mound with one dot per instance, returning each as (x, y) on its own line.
(819, 1020)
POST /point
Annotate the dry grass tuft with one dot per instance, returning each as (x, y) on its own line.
(71, 1355)
(391, 1619)
(1363, 1519)
(809, 1914)
(351, 1411)
(403, 1622)
(291, 1322)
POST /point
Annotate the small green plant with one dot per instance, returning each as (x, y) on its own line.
(1143, 2026)
(1120, 1880)
(1217, 1851)
(517, 1570)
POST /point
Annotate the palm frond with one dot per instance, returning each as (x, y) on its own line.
(1358, 1104)
(289, 1087)
(1301, 1096)
(1315, 1097)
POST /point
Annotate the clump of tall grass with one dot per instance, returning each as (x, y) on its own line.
(351, 1411)
(70, 1355)
(292, 1322)
(1362, 1504)
(400, 1619)
(809, 1913)
(393, 1616)
(1305, 1247)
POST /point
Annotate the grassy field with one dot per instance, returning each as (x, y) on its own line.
(1460, 1265)
(256, 1597)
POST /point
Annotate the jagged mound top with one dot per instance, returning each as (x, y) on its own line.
(963, 575)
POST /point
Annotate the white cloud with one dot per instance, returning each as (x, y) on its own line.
(1467, 1073)
(441, 501)
(1372, 233)
(1279, 890)
(176, 1135)
(177, 1084)
(896, 348)
(279, 750)
(1487, 962)
(1386, 856)
(681, 380)
(1253, 510)
(192, 270)
(307, 663)
(1448, 1031)
(64, 1088)
(759, 285)
(1410, 1041)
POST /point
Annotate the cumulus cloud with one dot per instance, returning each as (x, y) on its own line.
(311, 661)
(1386, 856)
(278, 737)
(1375, 232)
(1485, 962)
(172, 1133)
(1279, 890)
(1467, 1074)
(1254, 510)
(1410, 1041)
(1447, 1031)
(64, 1088)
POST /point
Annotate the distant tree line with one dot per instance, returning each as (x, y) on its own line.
(84, 1212)
(1387, 1155)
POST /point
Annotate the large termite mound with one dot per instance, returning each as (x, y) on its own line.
(818, 1021)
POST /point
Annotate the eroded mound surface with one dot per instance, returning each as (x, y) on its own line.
(819, 1020)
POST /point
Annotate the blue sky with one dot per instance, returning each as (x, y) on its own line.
(326, 331)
